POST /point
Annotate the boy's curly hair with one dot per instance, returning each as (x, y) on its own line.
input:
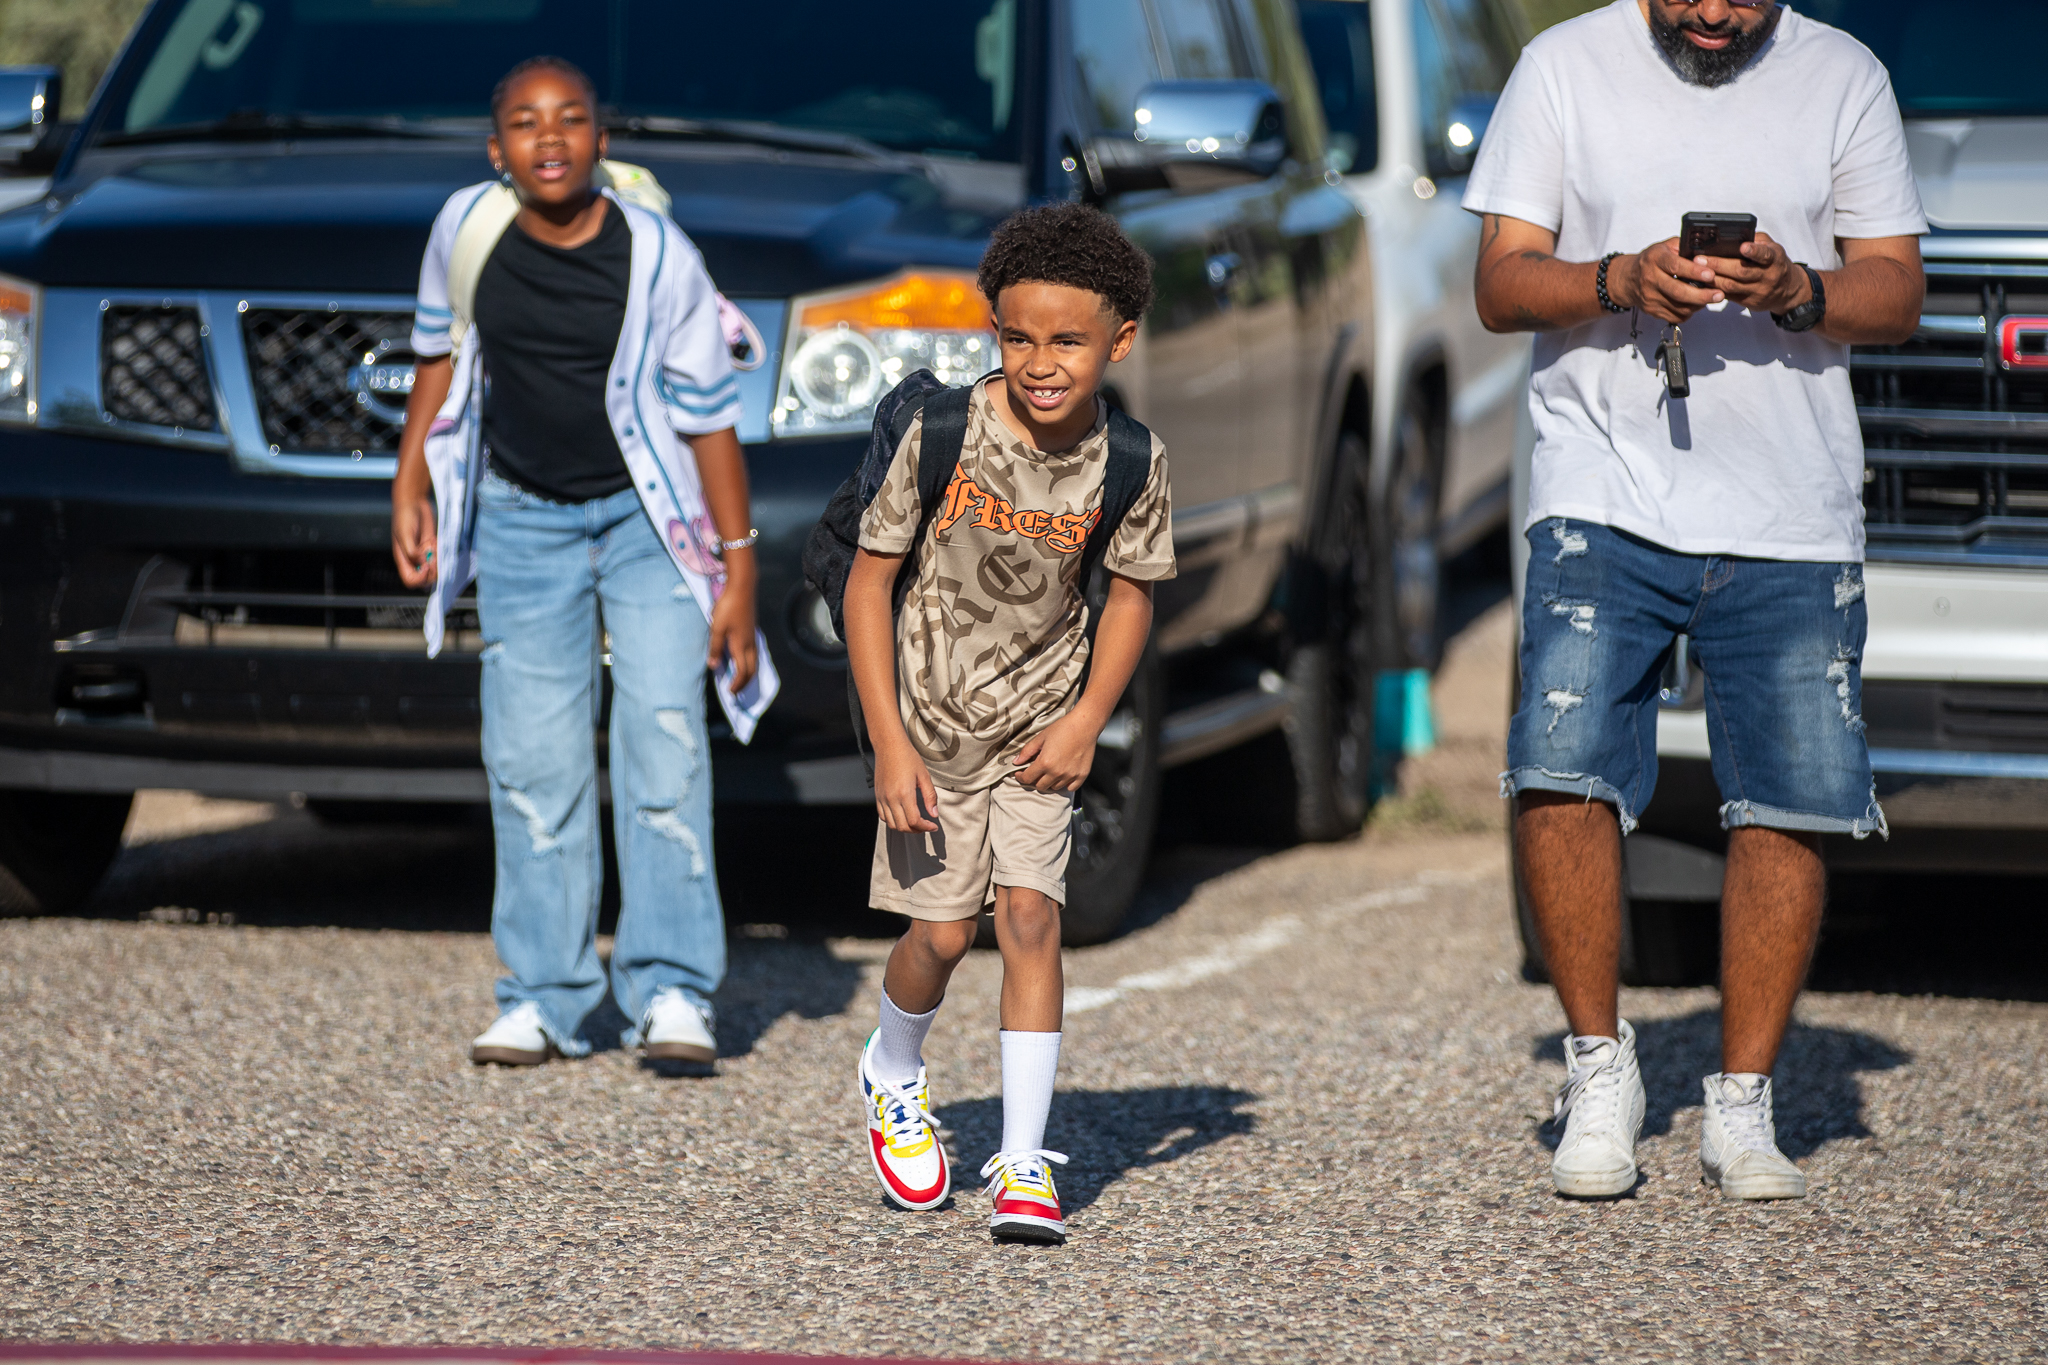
(561, 66)
(1069, 243)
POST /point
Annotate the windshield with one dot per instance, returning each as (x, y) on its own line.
(922, 76)
(1955, 59)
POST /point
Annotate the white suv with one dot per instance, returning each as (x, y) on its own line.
(1407, 87)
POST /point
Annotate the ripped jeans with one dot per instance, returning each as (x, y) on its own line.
(1780, 643)
(545, 571)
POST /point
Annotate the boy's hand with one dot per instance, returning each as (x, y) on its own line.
(1059, 757)
(904, 795)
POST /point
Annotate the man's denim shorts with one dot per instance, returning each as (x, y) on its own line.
(1780, 643)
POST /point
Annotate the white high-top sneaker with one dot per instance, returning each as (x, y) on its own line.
(1739, 1140)
(1602, 1108)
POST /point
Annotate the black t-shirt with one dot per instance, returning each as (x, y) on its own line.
(549, 319)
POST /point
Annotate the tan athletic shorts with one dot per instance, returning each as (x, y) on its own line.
(1005, 835)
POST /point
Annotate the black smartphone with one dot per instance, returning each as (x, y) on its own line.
(1715, 234)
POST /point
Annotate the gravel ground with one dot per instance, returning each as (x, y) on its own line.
(1305, 1103)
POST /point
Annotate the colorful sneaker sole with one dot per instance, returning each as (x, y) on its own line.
(903, 1197)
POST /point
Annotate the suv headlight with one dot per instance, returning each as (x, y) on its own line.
(20, 310)
(850, 346)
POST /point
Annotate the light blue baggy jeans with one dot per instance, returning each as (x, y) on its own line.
(550, 578)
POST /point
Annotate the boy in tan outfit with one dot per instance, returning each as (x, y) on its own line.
(983, 696)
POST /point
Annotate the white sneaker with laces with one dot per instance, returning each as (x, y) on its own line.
(1739, 1140)
(678, 1029)
(516, 1039)
(1601, 1105)
(1027, 1206)
(903, 1138)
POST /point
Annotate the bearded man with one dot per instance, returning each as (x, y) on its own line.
(1728, 511)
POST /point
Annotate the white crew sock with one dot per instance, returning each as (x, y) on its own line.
(1030, 1062)
(899, 1043)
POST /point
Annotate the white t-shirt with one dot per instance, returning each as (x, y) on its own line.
(1599, 139)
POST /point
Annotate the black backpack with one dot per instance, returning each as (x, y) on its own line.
(828, 554)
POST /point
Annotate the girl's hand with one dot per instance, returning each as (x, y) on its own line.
(413, 536)
(732, 623)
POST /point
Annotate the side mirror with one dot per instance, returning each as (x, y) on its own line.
(1191, 134)
(1464, 129)
(29, 98)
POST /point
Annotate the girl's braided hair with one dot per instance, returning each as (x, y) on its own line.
(561, 66)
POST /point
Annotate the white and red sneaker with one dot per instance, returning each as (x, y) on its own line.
(1027, 1206)
(903, 1139)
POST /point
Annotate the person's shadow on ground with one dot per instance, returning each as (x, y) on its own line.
(1109, 1132)
(1816, 1094)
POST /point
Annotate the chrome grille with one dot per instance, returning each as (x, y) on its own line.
(329, 382)
(1955, 437)
(153, 368)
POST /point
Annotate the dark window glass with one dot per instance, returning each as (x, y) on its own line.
(1437, 84)
(938, 75)
(1339, 38)
(1957, 58)
(1114, 49)
(1474, 47)
(1198, 39)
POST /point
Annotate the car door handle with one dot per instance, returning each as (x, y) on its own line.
(1222, 268)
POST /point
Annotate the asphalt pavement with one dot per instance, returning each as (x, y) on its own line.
(1305, 1099)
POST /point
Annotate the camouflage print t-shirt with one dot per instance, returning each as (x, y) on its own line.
(991, 642)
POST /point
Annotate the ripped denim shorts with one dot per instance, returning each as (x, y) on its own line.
(1780, 643)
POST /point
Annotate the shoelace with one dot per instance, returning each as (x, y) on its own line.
(1595, 1091)
(905, 1120)
(1747, 1123)
(1023, 1170)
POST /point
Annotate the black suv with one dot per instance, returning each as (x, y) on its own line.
(203, 368)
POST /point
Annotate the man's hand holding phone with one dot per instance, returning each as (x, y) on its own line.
(1764, 279)
(1663, 283)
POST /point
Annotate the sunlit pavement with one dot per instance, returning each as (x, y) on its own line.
(1305, 1099)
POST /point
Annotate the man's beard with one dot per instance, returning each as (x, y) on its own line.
(1704, 66)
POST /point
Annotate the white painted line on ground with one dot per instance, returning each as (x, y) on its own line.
(1236, 952)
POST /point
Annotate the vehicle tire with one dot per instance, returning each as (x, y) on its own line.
(1413, 571)
(1663, 943)
(56, 846)
(1330, 675)
(1116, 814)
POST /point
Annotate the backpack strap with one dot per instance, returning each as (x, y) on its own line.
(938, 455)
(1130, 464)
(475, 239)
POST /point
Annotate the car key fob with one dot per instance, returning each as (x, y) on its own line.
(1671, 365)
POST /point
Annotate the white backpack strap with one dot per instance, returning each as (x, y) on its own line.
(634, 184)
(481, 228)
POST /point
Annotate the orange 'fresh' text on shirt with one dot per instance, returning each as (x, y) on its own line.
(1063, 531)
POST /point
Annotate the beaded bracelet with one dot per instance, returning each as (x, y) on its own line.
(745, 542)
(1600, 284)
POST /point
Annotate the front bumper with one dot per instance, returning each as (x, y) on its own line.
(168, 620)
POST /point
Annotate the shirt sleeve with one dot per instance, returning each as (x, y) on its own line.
(1520, 170)
(1876, 194)
(697, 384)
(1142, 547)
(432, 316)
(890, 523)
